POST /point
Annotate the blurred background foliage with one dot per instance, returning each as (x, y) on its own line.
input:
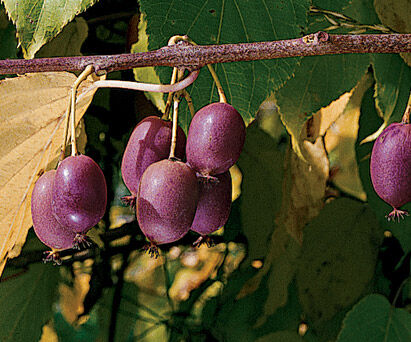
(306, 255)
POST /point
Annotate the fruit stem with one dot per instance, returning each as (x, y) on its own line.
(406, 116)
(65, 133)
(156, 88)
(189, 101)
(170, 95)
(220, 90)
(174, 129)
(86, 72)
(173, 40)
(73, 123)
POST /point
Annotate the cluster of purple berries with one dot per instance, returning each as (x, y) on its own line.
(391, 167)
(171, 196)
(67, 202)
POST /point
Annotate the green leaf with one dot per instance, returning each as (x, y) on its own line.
(338, 258)
(373, 319)
(37, 22)
(369, 123)
(140, 315)
(394, 14)
(232, 319)
(317, 82)
(127, 313)
(66, 332)
(331, 5)
(68, 42)
(261, 163)
(287, 317)
(282, 273)
(26, 302)
(281, 336)
(220, 22)
(116, 34)
(8, 42)
(363, 11)
(393, 79)
(233, 227)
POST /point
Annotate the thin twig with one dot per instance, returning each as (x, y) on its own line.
(186, 56)
(213, 74)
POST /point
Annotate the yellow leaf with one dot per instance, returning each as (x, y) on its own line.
(72, 297)
(32, 111)
(147, 74)
(340, 141)
(304, 191)
(236, 179)
(48, 335)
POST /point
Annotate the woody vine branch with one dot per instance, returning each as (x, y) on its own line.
(191, 57)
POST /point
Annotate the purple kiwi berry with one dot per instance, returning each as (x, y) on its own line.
(215, 139)
(79, 193)
(391, 167)
(45, 225)
(167, 201)
(213, 206)
(149, 143)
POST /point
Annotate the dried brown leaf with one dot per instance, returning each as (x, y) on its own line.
(32, 111)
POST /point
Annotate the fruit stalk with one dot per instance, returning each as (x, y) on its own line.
(173, 40)
(174, 129)
(73, 122)
(156, 88)
(406, 116)
(65, 133)
(86, 72)
(220, 90)
(187, 56)
(170, 95)
(189, 102)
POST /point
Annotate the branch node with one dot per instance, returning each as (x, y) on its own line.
(315, 38)
(323, 36)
